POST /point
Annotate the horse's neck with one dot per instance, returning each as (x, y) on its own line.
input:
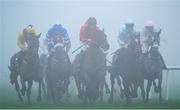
(94, 49)
(59, 53)
(30, 56)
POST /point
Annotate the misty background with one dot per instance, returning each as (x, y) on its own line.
(110, 15)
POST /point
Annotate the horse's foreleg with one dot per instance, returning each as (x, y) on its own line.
(127, 85)
(78, 85)
(49, 87)
(18, 91)
(66, 85)
(121, 89)
(39, 98)
(159, 87)
(107, 88)
(23, 83)
(101, 87)
(44, 89)
(30, 82)
(112, 77)
(155, 87)
(135, 90)
(142, 91)
(148, 90)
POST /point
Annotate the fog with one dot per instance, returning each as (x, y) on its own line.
(110, 15)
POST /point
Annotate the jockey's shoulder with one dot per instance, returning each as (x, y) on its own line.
(122, 32)
(155, 30)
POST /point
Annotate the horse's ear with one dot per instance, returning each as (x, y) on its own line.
(9, 68)
(159, 32)
(39, 35)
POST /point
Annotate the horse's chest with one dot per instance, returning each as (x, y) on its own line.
(93, 61)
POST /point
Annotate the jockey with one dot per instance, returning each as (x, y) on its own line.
(87, 32)
(127, 33)
(148, 34)
(22, 38)
(88, 29)
(57, 34)
(22, 44)
(147, 37)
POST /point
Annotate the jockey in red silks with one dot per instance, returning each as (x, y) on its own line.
(88, 30)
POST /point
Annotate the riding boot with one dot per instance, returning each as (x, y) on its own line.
(81, 57)
(20, 57)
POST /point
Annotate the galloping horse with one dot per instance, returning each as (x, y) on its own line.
(91, 74)
(126, 63)
(58, 73)
(28, 68)
(153, 67)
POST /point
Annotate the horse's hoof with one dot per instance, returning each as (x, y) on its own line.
(29, 103)
(134, 95)
(122, 96)
(68, 94)
(110, 100)
(80, 96)
(39, 99)
(12, 82)
(129, 100)
(161, 101)
(20, 100)
(108, 91)
(156, 90)
(23, 92)
(146, 101)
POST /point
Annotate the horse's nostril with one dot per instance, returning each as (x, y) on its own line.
(107, 47)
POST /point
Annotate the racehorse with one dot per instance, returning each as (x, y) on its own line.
(58, 73)
(90, 73)
(27, 67)
(126, 64)
(153, 67)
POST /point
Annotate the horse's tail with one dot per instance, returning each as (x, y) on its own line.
(13, 68)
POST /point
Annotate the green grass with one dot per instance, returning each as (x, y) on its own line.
(8, 100)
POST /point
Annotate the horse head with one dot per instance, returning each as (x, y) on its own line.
(100, 40)
(33, 42)
(134, 44)
(154, 48)
(156, 39)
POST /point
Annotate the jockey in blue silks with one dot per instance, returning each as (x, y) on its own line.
(57, 35)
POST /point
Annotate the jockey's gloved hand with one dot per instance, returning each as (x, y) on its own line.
(52, 50)
(24, 48)
(88, 40)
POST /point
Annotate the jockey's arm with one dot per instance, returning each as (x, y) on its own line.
(68, 46)
(121, 43)
(122, 40)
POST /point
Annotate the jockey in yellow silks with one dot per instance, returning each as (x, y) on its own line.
(22, 38)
